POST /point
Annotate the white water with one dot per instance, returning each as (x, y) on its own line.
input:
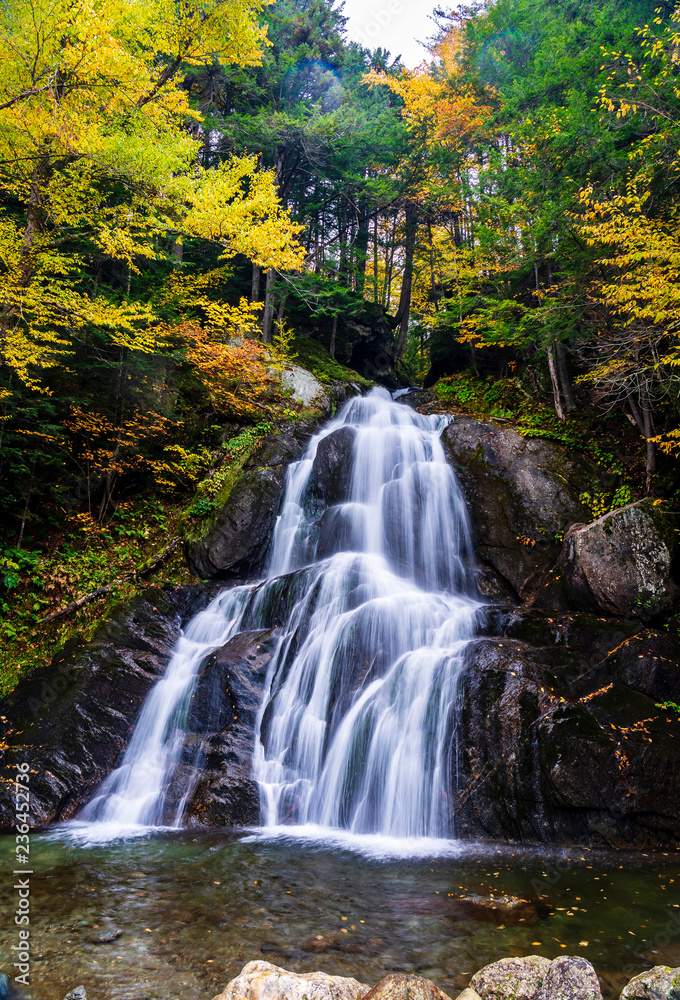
(355, 729)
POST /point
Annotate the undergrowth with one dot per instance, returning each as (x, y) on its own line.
(605, 439)
(78, 555)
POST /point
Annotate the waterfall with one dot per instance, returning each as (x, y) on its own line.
(355, 727)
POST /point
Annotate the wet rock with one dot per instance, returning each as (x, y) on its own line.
(570, 978)
(555, 744)
(263, 981)
(108, 937)
(77, 994)
(5, 987)
(511, 909)
(418, 399)
(622, 563)
(511, 978)
(468, 994)
(236, 540)
(70, 721)
(398, 986)
(522, 494)
(218, 751)
(659, 983)
(332, 467)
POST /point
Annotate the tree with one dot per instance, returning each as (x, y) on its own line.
(98, 164)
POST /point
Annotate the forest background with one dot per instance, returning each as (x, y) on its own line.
(195, 194)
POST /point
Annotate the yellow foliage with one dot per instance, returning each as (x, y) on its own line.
(94, 146)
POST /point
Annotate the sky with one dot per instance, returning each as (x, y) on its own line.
(396, 25)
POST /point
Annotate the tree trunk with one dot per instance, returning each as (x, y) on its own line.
(333, 333)
(637, 416)
(404, 311)
(375, 260)
(555, 382)
(268, 315)
(281, 310)
(361, 250)
(565, 380)
(24, 516)
(649, 434)
(255, 287)
(551, 352)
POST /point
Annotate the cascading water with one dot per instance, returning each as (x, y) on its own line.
(355, 728)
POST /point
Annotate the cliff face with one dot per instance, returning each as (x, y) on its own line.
(558, 732)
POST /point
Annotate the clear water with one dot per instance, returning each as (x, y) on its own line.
(194, 909)
(355, 728)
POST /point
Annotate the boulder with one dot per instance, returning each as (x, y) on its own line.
(235, 541)
(71, 720)
(621, 564)
(263, 981)
(522, 495)
(468, 994)
(511, 978)
(562, 740)
(398, 986)
(305, 388)
(332, 467)
(659, 983)
(77, 994)
(570, 978)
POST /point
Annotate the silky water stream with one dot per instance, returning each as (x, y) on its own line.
(355, 870)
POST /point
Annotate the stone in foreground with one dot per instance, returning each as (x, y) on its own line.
(566, 978)
(570, 978)
(397, 986)
(264, 981)
(511, 978)
(659, 983)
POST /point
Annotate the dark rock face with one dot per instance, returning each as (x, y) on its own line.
(218, 750)
(622, 563)
(238, 538)
(365, 342)
(332, 467)
(522, 494)
(559, 738)
(72, 720)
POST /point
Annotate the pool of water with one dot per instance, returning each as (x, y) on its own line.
(194, 908)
